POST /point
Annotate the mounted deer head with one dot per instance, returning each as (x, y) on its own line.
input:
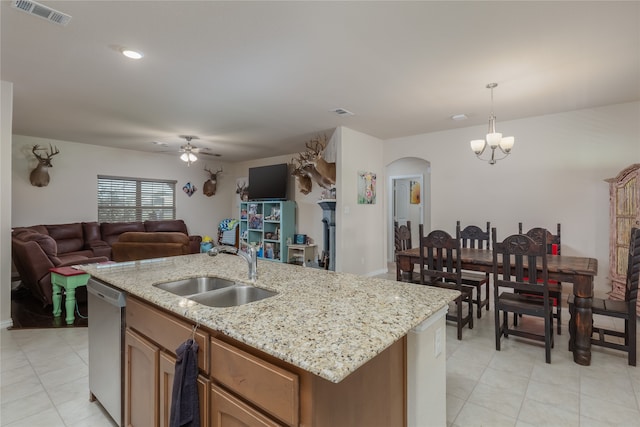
(314, 156)
(39, 176)
(209, 186)
(242, 190)
(304, 180)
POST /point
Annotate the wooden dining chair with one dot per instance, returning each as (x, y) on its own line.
(440, 265)
(511, 259)
(402, 240)
(554, 247)
(625, 310)
(472, 236)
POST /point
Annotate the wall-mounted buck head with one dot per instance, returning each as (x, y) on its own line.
(242, 190)
(321, 171)
(209, 186)
(39, 176)
(302, 176)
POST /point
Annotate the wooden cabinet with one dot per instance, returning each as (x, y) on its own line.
(167, 373)
(141, 381)
(268, 225)
(624, 207)
(272, 389)
(151, 339)
(241, 386)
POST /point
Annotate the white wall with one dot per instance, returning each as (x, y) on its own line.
(360, 228)
(6, 115)
(555, 173)
(72, 192)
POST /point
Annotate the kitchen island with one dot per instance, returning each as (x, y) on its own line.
(340, 336)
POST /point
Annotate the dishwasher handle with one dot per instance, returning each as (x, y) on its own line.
(108, 294)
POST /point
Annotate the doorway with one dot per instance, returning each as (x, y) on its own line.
(407, 206)
(410, 184)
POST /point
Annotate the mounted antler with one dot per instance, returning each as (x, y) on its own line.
(209, 186)
(39, 176)
(303, 178)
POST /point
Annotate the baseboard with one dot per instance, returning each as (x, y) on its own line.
(377, 273)
(5, 324)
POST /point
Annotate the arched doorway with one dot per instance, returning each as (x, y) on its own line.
(410, 194)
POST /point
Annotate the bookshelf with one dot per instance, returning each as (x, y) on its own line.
(268, 224)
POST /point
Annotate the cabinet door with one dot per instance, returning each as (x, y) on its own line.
(141, 381)
(167, 371)
(229, 411)
(624, 193)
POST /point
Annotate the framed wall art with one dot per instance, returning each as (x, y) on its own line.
(366, 188)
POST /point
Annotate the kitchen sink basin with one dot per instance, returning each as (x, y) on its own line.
(195, 285)
(232, 296)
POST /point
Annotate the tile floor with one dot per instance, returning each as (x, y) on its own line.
(44, 382)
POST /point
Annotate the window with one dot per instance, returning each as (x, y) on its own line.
(135, 199)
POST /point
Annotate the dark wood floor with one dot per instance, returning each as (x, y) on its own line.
(28, 312)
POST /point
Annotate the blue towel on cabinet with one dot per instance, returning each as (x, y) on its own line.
(185, 406)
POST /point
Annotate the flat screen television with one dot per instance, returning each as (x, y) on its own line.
(268, 182)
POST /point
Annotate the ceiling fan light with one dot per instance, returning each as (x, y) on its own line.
(188, 157)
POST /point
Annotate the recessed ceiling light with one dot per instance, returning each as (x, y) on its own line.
(459, 117)
(132, 54)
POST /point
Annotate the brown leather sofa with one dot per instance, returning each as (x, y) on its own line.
(38, 248)
(35, 253)
(134, 245)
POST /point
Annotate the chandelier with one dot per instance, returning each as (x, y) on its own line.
(493, 139)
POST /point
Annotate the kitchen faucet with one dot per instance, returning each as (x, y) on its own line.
(251, 257)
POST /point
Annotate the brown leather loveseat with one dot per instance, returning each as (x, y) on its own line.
(38, 248)
(134, 245)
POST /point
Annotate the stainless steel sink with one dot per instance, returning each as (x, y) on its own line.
(232, 296)
(195, 285)
(214, 291)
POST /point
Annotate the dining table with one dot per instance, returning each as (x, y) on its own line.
(580, 271)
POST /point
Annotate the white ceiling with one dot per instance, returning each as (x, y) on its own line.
(257, 79)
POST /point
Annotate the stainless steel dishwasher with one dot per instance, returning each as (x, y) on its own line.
(106, 307)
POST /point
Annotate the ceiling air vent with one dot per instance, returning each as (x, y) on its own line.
(342, 112)
(41, 11)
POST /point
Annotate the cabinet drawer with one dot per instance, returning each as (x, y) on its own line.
(269, 387)
(168, 332)
(229, 411)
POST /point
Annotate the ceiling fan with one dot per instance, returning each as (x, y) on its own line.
(189, 150)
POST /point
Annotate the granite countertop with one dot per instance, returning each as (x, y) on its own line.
(324, 322)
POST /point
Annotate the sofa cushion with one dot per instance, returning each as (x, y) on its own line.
(37, 228)
(91, 231)
(69, 237)
(166, 225)
(110, 231)
(48, 245)
(158, 237)
(134, 246)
